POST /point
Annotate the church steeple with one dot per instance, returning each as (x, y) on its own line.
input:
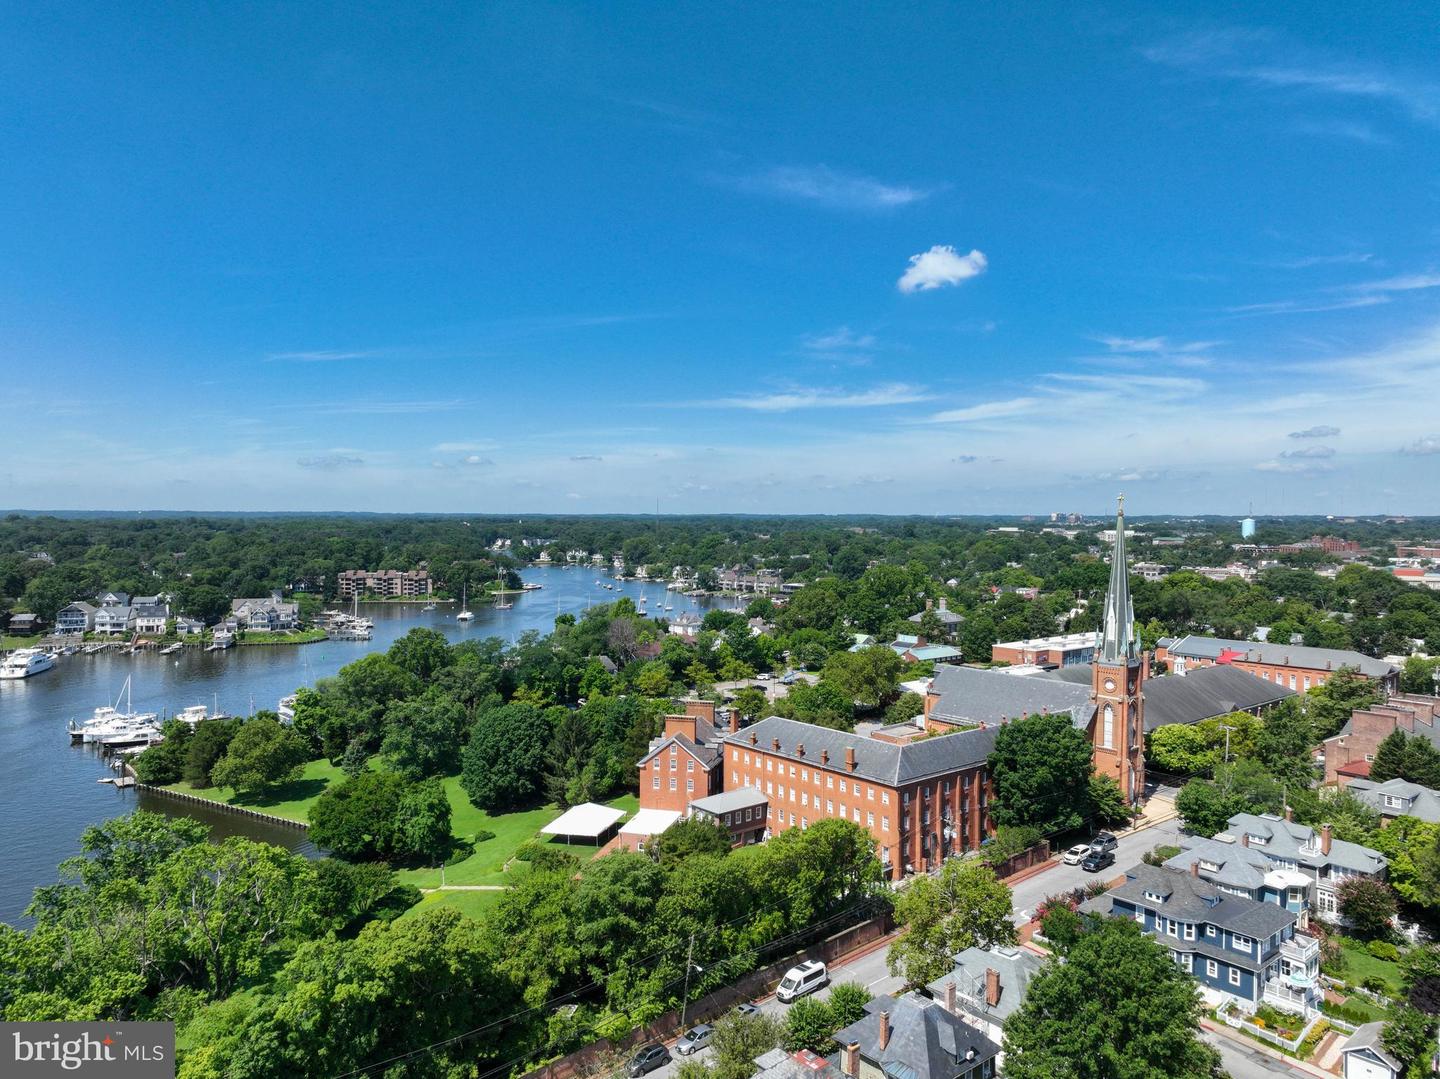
(1119, 643)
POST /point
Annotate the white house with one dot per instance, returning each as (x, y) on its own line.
(77, 617)
(687, 626)
(120, 619)
(189, 627)
(151, 618)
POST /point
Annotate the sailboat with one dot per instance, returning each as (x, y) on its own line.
(465, 614)
(501, 603)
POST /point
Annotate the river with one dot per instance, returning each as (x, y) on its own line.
(49, 791)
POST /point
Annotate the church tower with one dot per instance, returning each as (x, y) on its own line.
(1118, 677)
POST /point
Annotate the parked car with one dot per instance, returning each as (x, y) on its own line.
(747, 1009)
(694, 1039)
(1076, 854)
(764, 676)
(1097, 860)
(798, 981)
(647, 1059)
(1104, 841)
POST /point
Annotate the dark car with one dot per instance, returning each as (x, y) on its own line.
(1104, 841)
(1097, 860)
(646, 1060)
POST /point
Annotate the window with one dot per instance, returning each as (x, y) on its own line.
(1189, 933)
(1171, 927)
(829, 806)
(655, 783)
(1241, 944)
(792, 820)
(804, 798)
(804, 822)
(734, 754)
(1307, 681)
(830, 782)
(1235, 971)
(674, 764)
(1292, 686)
(769, 765)
(690, 766)
(792, 771)
(870, 820)
(843, 811)
(674, 750)
(857, 815)
(884, 824)
(792, 794)
(1107, 732)
(805, 775)
(1212, 968)
(781, 790)
(769, 787)
(870, 794)
(747, 756)
(672, 783)
(690, 785)
(842, 786)
(884, 798)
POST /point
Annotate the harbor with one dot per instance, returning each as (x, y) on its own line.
(52, 784)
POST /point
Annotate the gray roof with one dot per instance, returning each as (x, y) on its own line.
(1239, 866)
(947, 617)
(778, 1064)
(117, 611)
(1421, 803)
(151, 610)
(79, 605)
(708, 756)
(926, 1041)
(1371, 1036)
(1016, 966)
(730, 801)
(1188, 898)
(972, 695)
(1206, 693)
(1283, 655)
(1294, 842)
(884, 762)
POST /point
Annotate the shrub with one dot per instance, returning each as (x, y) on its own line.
(481, 836)
(1376, 984)
(1317, 1033)
(1383, 949)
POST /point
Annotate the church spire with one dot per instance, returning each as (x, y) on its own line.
(1119, 644)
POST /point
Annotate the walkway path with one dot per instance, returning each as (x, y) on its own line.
(468, 888)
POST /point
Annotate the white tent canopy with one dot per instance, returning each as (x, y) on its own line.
(649, 822)
(587, 820)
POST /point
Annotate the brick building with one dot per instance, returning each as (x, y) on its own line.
(1062, 650)
(1349, 753)
(385, 582)
(1291, 665)
(682, 765)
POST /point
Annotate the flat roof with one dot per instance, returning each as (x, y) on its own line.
(729, 801)
(649, 822)
(587, 819)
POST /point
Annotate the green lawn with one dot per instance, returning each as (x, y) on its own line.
(7, 642)
(470, 904)
(289, 800)
(300, 636)
(485, 866)
(1360, 964)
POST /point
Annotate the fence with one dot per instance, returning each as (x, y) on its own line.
(602, 1056)
(1018, 863)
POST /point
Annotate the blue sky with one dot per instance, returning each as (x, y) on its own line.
(811, 258)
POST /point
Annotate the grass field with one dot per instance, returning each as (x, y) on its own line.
(20, 642)
(289, 800)
(1360, 964)
(470, 904)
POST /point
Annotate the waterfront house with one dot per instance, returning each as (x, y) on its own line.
(271, 615)
(23, 624)
(222, 634)
(1398, 798)
(151, 619)
(1239, 949)
(686, 625)
(115, 619)
(189, 627)
(913, 1037)
(1289, 845)
(114, 599)
(77, 617)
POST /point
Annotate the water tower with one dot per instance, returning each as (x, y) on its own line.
(1247, 528)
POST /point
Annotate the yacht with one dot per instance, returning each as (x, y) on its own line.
(24, 662)
(198, 713)
(501, 603)
(108, 720)
(465, 614)
(286, 711)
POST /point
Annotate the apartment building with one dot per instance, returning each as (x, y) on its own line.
(385, 582)
(1349, 753)
(1293, 666)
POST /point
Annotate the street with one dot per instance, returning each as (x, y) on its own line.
(1242, 1062)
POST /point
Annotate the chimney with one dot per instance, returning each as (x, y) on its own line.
(992, 987)
(800, 749)
(1289, 814)
(884, 1029)
(824, 756)
(850, 1060)
(1244, 839)
(775, 744)
(1325, 839)
(734, 720)
(943, 602)
(950, 996)
(754, 738)
(1195, 869)
(929, 604)
(849, 758)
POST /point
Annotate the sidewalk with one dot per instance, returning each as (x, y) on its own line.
(1260, 1047)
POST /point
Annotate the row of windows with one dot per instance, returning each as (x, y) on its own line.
(655, 784)
(1186, 931)
(805, 775)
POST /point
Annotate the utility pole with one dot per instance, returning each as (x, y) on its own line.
(1227, 731)
(685, 1000)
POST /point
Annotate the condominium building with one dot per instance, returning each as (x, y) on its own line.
(385, 582)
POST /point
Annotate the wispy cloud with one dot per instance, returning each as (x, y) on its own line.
(941, 265)
(1341, 129)
(897, 393)
(331, 462)
(988, 410)
(1422, 447)
(1295, 468)
(464, 447)
(1320, 430)
(1346, 258)
(383, 408)
(1308, 306)
(1309, 452)
(321, 356)
(1152, 345)
(1264, 59)
(840, 339)
(831, 188)
(586, 457)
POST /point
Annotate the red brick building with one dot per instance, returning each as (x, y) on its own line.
(1349, 753)
(1293, 666)
(684, 764)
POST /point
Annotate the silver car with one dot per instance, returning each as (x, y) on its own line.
(694, 1039)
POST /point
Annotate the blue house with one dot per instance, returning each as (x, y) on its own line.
(1237, 869)
(1238, 948)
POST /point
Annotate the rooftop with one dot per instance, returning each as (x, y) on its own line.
(1281, 655)
(972, 695)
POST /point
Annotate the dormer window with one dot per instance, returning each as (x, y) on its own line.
(1209, 867)
(1257, 840)
(1392, 802)
(1154, 897)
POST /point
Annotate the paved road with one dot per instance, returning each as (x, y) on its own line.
(1028, 894)
(1243, 1062)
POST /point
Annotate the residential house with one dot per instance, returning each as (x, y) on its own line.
(148, 601)
(1398, 798)
(950, 620)
(686, 625)
(861, 641)
(915, 649)
(986, 987)
(1350, 752)
(272, 615)
(189, 627)
(77, 617)
(778, 1064)
(1327, 861)
(913, 1037)
(151, 618)
(115, 599)
(222, 634)
(115, 619)
(1238, 948)
(1294, 666)
(1239, 869)
(1364, 1056)
(24, 623)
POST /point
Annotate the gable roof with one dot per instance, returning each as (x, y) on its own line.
(1193, 899)
(972, 695)
(1420, 802)
(1370, 1037)
(1239, 865)
(926, 1041)
(1206, 693)
(884, 762)
(1300, 843)
(1016, 967)
(1281, 655)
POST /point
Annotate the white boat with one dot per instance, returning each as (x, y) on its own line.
(132, 735)
(501, 603)
(465, 614)
(428, 607)
(24, 662)
(109, 720)
(197, 713)
(286, 711)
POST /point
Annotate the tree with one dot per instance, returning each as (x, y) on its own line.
(821, 704)
(693, 835)
(1389, 762)
(421, 652)
(1409, 1037)
(1205, 808)
(739, 1039)
(504, 764)
(751, 702)
(809, 1025)
(847, 1003)
(1062, 925)
(207, 745)
(263, 751)
(1368, 906)
(420, 829)
(1041, 767)
(423, 735)
(1183, 749)
(1108, 807)
(963, 907)
(905, 708)
(867, 677)
(353, 819)
(1117, 1006)
(1285, 742)
(1330, 705)
(1422, 763)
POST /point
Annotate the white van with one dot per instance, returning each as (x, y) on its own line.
(798, 981)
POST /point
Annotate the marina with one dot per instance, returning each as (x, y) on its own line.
(52, 783)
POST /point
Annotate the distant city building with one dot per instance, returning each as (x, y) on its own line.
(1348, 754)
(1062, 650)
(916, 649)
(385, 582)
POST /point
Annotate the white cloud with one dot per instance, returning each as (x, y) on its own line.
(1320, 430)
(1311, 452)
(1152, 345)
(464, 447)
(840, 339)
(832, 188)
(1297, 468)
(330, 462)
(318, 356)
(941, 265)
(1344, 259)
(989, 410)
(475, 460)
(897, 393)
(1422, 447)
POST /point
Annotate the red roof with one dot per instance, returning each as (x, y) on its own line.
(1229, 655)
(1355, 769)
